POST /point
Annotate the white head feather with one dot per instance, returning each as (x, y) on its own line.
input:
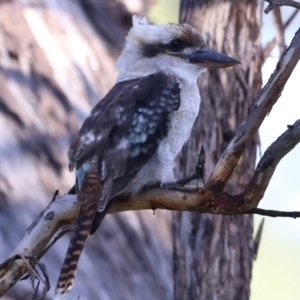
(132, 63)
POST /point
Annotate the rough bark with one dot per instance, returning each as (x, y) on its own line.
(213, 254)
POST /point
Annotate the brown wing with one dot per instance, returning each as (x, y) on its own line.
(123, 132)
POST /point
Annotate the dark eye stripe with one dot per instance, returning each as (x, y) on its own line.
(176, 45)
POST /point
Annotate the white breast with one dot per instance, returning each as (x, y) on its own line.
(161, 166)
(181, 125)
(182, 121)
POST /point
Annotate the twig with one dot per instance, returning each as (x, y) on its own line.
(56, 193)
(63, 231)
(276, 3)
(35, 276)
(200, 166)
(257, 238)
(277, 21)
(199, 170)
(274, 213)
(187, 180)
(271, 44)
(30, 264)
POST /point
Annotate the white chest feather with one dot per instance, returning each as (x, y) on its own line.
(181, 122)
(161, 166)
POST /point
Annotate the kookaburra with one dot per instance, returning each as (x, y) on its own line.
(134, 134)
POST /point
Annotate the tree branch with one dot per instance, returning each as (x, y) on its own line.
(268, 163)
(271, 44)
(277, 3)
(262, 106)
(52, 222)
(274, 213)
(257, 238)
(279, 29)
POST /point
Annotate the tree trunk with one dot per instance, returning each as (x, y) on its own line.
(213, 254)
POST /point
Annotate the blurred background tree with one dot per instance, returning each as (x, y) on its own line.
(56, 62)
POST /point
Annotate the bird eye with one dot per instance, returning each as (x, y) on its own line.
(176, 45)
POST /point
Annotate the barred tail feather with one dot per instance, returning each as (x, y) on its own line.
(88, 199)
(68, 271)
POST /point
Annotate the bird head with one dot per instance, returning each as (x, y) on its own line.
(171, 48)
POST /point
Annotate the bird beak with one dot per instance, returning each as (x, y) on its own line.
(211, 59)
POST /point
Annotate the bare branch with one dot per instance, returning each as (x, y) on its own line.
(271, 44)
(262, 106)
(257, 238)
(268, 163)
(274, 213)
(276, 3)
(277, 21)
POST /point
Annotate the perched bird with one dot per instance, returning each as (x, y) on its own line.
(134, 134)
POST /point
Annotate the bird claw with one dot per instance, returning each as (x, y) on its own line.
(174, 186)
(199, 170)
(179, 185)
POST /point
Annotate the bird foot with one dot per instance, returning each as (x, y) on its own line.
(180, 185)
(199, 170)
(175, 186)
